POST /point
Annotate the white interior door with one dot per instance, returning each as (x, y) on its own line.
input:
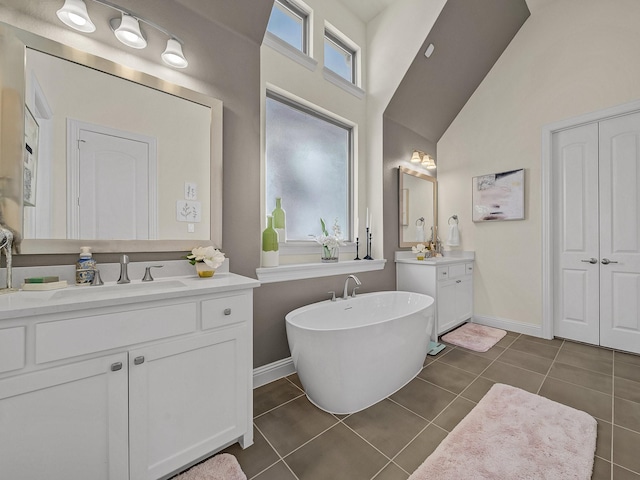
(576, 283)
(620, 232)
(113, 201)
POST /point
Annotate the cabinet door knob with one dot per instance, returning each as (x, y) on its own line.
(591, 261)
(138, 360)
(458, 281)
(606, 261)
(116, 366)
(227, 311)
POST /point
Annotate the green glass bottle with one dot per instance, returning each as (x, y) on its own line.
(270, 254)
(279, 220)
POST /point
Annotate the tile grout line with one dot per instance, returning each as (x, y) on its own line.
(278, 406)
(550, 367)
(281, 459)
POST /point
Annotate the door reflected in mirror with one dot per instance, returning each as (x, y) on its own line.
(417, 207)
(114, 157)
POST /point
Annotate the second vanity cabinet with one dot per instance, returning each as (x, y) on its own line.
(133, 391)
(448, 281)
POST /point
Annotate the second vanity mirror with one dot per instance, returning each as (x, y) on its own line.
(418, 209)
(125, 161)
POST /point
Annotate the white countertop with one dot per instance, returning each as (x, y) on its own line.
(27, 303)
(407, 256)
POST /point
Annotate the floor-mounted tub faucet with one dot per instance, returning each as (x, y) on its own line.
(345, 294)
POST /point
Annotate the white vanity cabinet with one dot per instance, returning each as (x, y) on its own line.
(66, 422)
(448, 281)
(135, 391)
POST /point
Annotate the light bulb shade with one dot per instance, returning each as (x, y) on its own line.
(74, 14)
(428, 162)
(128, 32)
(173, 55)
(415, 158)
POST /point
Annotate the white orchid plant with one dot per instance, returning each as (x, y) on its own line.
(329, 242)
(209, 255)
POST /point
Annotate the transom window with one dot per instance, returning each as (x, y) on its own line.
(308, 165)
(339, 57)
(289, 23)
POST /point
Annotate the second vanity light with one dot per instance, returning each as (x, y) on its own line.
(424, 158)
(126, 28)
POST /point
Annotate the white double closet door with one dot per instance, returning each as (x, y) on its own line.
(596, 233)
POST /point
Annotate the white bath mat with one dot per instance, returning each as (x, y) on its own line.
(474, 337)
(513, 434)
(221, 467)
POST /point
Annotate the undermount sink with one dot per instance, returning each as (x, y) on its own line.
(93, 293)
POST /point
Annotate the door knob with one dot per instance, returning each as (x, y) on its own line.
(591, 261)
(606, 261)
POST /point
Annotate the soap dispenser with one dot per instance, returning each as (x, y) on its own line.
(85, 267)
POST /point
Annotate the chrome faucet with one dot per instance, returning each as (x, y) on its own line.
(124, 275)
(345, 294)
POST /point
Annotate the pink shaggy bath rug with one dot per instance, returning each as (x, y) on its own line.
(513, 434)
(220, 467)
(474, 337)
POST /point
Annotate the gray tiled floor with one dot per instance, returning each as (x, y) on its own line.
(388, 441)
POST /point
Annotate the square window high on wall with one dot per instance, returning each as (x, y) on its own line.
(290, 23)
(339, 57)
(308, 164)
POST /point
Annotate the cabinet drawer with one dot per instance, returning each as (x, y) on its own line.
(12, 349)
(469, 268)
(79, 336)
(443, 273)
(225, 311)
(456, 270)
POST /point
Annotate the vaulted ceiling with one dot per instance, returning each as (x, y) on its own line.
(469, 37)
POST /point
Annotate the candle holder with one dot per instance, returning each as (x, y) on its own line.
(357, 249)
(369, 236)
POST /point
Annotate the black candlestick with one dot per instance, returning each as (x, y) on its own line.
(357, 249)
(369, 235)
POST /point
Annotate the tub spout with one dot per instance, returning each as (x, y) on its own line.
(345, 294)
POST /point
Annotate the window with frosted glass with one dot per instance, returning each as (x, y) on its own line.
(338, 57)
(308, 164)
(289, 23)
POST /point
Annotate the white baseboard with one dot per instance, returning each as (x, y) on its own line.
(511, 325)
(272, 371)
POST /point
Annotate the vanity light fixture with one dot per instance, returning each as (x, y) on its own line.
(425, 159)
(126, 29)
(428, 162)
(74, 14)
(173, 55)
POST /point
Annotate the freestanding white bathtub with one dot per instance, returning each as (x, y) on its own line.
(352, 353)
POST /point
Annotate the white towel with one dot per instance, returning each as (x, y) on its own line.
(454, 235)
(419, 233)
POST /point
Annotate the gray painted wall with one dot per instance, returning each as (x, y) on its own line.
(399, 143)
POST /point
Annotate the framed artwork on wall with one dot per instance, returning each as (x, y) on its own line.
(498, 196)
(31, 133)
